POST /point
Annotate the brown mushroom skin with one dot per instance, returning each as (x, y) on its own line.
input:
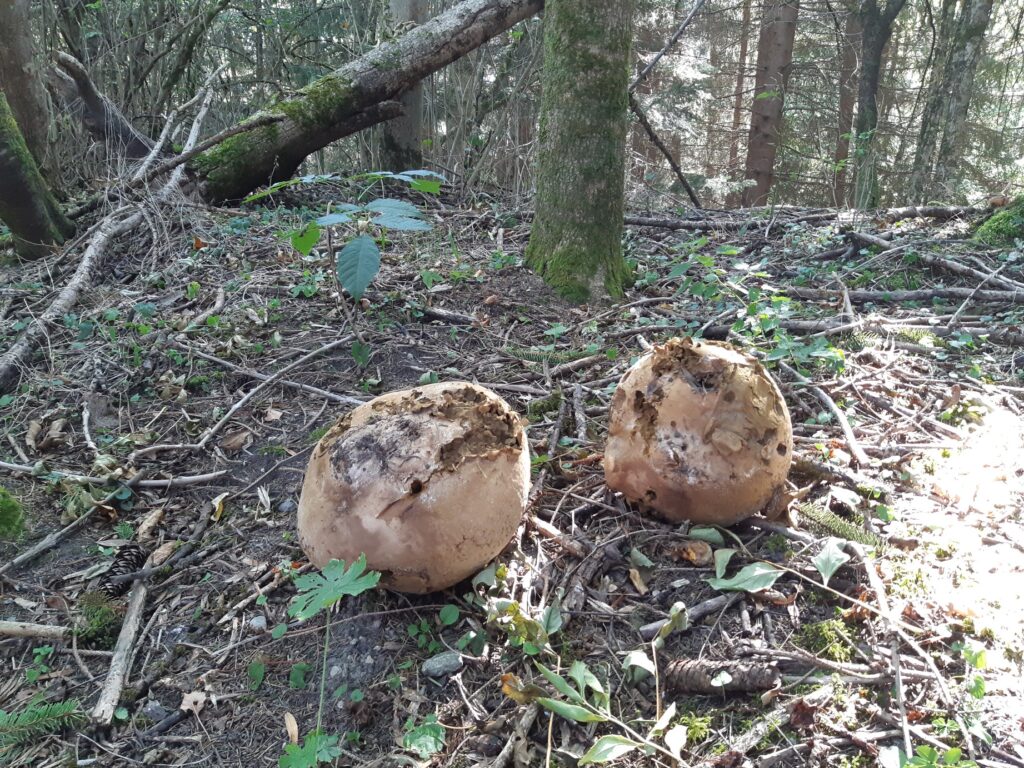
(698, 431)
(429, 483)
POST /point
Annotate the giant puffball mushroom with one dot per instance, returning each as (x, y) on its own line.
(698, 431)
(429, 483)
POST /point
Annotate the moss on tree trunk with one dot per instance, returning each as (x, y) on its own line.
(576, 241)
(26, 204)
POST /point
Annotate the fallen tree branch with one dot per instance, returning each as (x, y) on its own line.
(25, 629)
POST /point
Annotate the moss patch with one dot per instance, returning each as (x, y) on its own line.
(1003, 227)
(12, 516)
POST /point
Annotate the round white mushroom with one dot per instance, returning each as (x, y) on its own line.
(698, 431)
(429, 483)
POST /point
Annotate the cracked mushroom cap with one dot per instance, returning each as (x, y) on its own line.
(698, 431)
(430, 483)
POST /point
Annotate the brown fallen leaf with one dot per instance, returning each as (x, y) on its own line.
(273, 414)
(147, 527)
(54, 437)
(32, 433)
(193, 702)
(235, 441)
(638, 581)
(161, 553)
(698, 553)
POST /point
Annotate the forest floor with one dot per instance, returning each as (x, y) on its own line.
(919, 642)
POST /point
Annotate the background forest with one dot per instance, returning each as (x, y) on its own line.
(231, 229)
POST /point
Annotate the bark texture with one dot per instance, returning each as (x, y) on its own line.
(19, 78)
(402, 137)
(576, 240)
(850, 43)
(348, 99)
(774, 62)
(876, 29)
(26, 205)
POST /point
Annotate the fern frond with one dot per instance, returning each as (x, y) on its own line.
(545, 356)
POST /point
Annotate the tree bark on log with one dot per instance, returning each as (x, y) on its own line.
(347, 99)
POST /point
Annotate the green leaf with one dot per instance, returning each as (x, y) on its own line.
(751, 578)
(304, 239)
(121, 713)
(561, 684)
(708, 534)
(331, 219)
(830, 558)
(675, 740)
(639, 559)
(427, 186)
(402, 223)
(722, 558)
(361, 353)
(551, 619)
(297, 675)
(430, 278)
(393, 207)
(316, 748)
(449, 615)
(678, 620)
(257, 670)
(278, 632)
(425, 739)
(584, 679)
(357, 264)
(638, 659)
(571, 711)
(319, 591)
(608, 748)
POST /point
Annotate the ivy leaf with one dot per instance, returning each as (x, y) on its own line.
(608, 748)
(319, 591)
(449, 615)
(357, 264)
(830, 559)
(297, 675)
(708, 534)
(571, 711)
(751, 578)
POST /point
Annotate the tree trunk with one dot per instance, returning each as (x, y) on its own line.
(847, 102)
(402, 137)
(19, 78)
(576, 240)
(185, 49)
(964, 57)
(737, 99)
(774, 62)
(26, 204)
(353, 97)
(876, 26)
(935, 105)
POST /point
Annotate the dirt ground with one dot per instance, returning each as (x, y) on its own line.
(194, 309)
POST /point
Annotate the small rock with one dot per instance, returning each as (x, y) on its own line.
(335, 671)
(154, 710)
(258, 623)
(442, 665)
(287, 507)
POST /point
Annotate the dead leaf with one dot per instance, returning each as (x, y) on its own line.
(273, 414)
(193, 702)
(32, 433)
(198, 243)
(148, 526)
(235, 441)
(161, 553)
(492, 300)
(519, 692)
(801, 714)
(698, 553)
(292, 727)
(218, 506)
(638, 581)
(54, 437)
